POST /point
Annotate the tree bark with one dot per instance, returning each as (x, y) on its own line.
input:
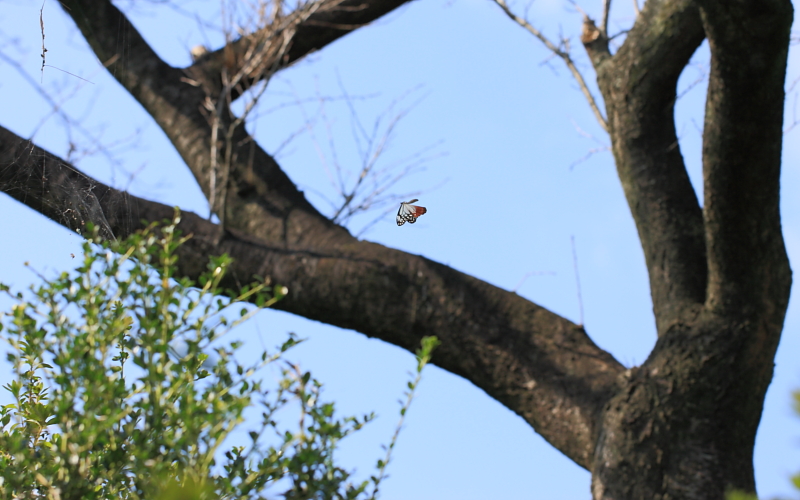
(683, 424)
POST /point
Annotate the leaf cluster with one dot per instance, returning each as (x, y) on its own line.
(125, 388)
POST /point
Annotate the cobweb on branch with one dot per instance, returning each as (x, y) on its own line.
(45, 182)
(58, 190)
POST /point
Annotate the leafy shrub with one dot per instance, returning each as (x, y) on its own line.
(124, 388)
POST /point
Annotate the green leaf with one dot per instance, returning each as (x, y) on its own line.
(152, 430)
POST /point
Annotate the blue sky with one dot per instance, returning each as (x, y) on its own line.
(505, 194)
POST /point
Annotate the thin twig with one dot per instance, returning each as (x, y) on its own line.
(604, 19)
(702, 71)
(793, 84)
(69, 123)
(564, 56)
(795, 121)
(44, 50)
(532, 273)
(588, 155)
(67, 72)
(600, 149)
(636, 7)
(612, 37)
(262, 58)
(577, 279)
(423, 358)
(366, 188)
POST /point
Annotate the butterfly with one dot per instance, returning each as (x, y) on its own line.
(409, 213)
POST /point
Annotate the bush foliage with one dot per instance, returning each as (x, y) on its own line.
(125, 388)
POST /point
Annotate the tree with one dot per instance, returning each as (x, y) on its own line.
(681, 424)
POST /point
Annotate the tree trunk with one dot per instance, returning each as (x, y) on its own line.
(684, 423)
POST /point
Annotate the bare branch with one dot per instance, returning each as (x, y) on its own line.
(702, 74)
(528, 275)
(577, 278)
(602, 146)
(589, 154)
(41, 26)
(604, 18)
(791, 89)
(365, 186)
(795, 120)
(327, 24)
(564, 55)
(260, 56)
(57, 108)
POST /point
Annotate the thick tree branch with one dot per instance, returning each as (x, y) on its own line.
(320, 29)
(742, 141)
(260, 196)
(749, 273)
(639, 88)
(541, 366)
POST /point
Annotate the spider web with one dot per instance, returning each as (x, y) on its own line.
(59, 102)
(59, 191)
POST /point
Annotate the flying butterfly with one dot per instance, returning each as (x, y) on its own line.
(409, 213)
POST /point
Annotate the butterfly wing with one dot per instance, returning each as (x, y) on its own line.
(409, 213)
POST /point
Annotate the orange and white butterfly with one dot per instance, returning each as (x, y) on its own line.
(409, 213)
